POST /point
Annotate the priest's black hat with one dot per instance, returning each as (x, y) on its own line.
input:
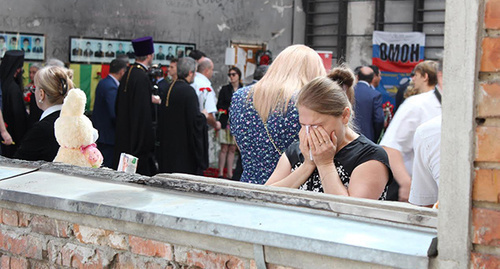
(143, 46)
(11, 61)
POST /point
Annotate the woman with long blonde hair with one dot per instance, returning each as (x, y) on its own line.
(264, 119)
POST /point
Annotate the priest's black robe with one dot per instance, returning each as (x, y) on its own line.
(182, 131)
(13, 109)
(134, 123)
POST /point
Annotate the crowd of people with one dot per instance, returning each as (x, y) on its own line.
(296, 125)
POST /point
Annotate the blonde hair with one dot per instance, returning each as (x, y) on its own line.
(330, 95)
(55, 81)
(290, 71)
(411, 90)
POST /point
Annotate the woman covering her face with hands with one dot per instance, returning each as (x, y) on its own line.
(330, 156)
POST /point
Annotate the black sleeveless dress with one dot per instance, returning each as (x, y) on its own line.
(346, 160)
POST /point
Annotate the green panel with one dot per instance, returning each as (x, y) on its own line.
(85, 79)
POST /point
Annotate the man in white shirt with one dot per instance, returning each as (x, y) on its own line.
(425, 178)
(398, 139)
(427, 142)
(205, 92)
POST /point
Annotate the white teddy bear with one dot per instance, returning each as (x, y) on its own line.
(75, 134)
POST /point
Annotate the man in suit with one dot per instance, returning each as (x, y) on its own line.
(99, 53)
(170, 53)
(103, 116)
(13, 43)
(130, 52)
(160, 55)
(3, 46)
(26, 45)
(88, 51)
(120, 50)
(110, 53)
(37, 48)
(77, 51)
(368, 113)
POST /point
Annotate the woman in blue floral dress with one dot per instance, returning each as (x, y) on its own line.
(264, 119)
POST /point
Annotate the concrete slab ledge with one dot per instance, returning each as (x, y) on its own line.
(273, 217)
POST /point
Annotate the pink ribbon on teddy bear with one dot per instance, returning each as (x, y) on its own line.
(92, 154)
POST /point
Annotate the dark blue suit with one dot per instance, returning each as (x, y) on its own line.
(368, 113)
(104, 117)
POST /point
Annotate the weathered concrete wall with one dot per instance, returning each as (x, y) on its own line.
(211, 24)
(99, 218)
(460, 86)
(359, 31)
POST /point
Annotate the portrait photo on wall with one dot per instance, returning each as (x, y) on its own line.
(98, 50)
(166, 51)
(33, 45)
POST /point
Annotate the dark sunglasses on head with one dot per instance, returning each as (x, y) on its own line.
(231, 74)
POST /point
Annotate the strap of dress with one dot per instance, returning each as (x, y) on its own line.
(271, 139)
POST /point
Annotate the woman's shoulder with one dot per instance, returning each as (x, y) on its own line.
(241, 96)
(242, 92)
(47, 123)
(365, 150)
(227, 86)
(42, 131)
(51, 117)
(362, 142)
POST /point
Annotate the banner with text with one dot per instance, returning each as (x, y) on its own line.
(396, 54)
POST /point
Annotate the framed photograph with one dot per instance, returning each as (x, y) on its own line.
(33, 45)
(98, 50)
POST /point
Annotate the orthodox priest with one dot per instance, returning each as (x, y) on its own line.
(134, 122)
(182, 127)
(13, 109)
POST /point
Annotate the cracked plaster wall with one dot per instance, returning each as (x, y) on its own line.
(211, 24)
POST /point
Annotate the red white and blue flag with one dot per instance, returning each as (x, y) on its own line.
(396, 54)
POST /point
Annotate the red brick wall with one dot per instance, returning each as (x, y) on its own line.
(34, 241)
(486, 188)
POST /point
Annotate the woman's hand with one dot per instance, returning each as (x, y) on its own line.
(304, 147)
(323, 147)
(7, 139)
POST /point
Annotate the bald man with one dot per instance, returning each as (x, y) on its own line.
(205, 92)
(368, 113)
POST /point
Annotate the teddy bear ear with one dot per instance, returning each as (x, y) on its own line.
(74, 103)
